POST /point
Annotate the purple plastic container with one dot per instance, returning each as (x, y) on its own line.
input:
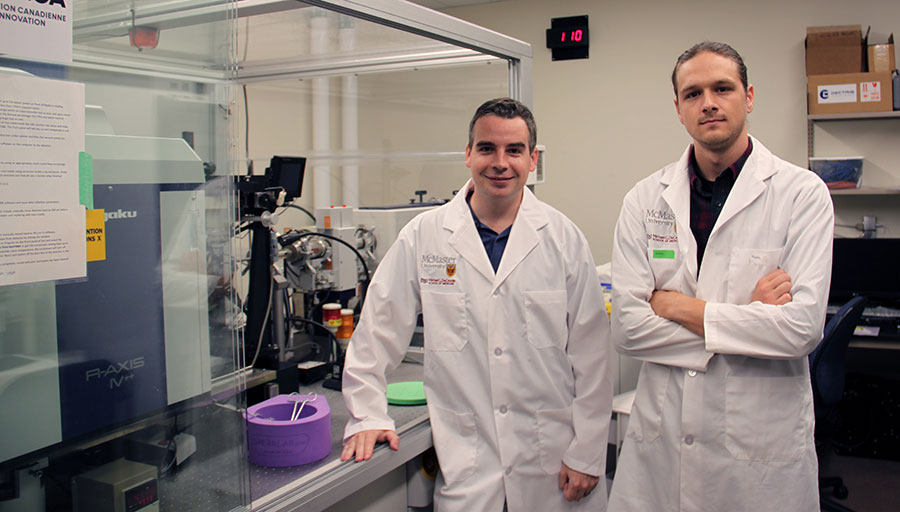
(280, 442)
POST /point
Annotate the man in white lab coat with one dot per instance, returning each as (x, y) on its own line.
(517, 370)
(721, 267)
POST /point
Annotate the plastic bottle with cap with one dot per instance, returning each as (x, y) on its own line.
(331, 316)
(345, 331)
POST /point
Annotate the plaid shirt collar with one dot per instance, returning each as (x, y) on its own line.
(734, 169)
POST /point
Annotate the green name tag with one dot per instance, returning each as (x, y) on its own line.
(665, 254)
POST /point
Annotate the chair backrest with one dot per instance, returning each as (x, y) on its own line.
(827, 361)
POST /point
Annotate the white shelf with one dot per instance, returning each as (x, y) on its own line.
(854, 115)
(864, 191)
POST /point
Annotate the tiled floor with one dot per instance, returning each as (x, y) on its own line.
(871, 411)
(874, 484)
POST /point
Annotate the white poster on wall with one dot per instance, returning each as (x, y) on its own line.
(36, 29)
(42, 224)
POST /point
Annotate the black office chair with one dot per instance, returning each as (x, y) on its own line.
(827, 374)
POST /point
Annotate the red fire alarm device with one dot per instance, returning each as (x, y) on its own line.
(143, 37)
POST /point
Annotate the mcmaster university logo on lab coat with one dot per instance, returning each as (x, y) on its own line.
(433, 267)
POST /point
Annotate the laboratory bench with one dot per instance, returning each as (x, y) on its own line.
(310, 487)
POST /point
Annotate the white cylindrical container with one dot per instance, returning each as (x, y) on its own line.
(331, 316)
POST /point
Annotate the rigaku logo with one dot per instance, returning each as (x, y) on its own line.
(120, 214)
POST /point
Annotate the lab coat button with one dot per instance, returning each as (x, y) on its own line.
(498, 352)
(503, 409)
(689, 439)
(508, 470)
(692, 373)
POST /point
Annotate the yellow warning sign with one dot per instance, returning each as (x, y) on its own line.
(96, 235)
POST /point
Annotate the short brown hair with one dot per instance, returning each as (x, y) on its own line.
(722, 49)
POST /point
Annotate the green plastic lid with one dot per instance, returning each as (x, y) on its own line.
(406, 393)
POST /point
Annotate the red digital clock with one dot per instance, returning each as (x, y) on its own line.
(567, 37)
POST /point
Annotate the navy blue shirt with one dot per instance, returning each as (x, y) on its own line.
(708, 197)
(494, 243)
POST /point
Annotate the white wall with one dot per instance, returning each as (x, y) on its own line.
(609, 121)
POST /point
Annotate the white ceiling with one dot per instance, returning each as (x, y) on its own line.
(445, 4)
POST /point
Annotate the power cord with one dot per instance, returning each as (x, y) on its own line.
(302, 209)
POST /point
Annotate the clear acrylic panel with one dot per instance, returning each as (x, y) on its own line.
(132, 373)
(186, 36)
(411, 129)
(384, 108)
(145, 359)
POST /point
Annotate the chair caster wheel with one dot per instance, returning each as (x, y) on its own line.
(841, 492)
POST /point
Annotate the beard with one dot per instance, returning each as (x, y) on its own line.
(719, 142)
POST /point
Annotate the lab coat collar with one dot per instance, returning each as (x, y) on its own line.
(672, 174)
(522, 237)
(464, 235)
(750, 184)
(677, 195)
(757, 165)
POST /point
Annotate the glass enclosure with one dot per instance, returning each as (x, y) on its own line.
(132, 383)
(126, 380)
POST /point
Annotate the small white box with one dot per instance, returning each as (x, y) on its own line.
(334, 217)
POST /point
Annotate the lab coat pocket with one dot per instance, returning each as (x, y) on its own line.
(746, 268)
(763, 420)
(545, 318)
(555, 434)
(664, 263)
(455, 441)
(444, 318)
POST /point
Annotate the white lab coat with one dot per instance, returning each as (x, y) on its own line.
(723, 423)
(517, 364)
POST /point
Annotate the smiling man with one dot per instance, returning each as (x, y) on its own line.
(721, 267)
(517, 369)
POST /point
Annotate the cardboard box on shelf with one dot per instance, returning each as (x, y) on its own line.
(850, 93)
(881, 56)
(835, 49)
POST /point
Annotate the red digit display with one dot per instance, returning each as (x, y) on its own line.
(569, 37)
(141, 496)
